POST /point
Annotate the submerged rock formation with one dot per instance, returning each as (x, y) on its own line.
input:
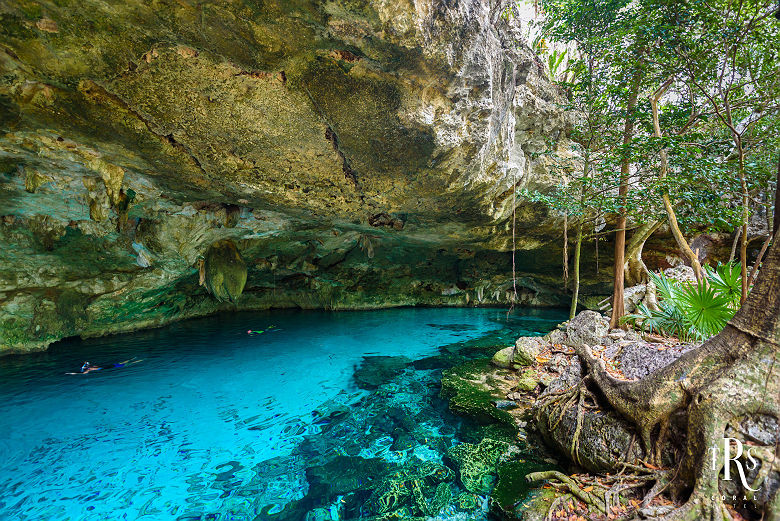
(357, 154)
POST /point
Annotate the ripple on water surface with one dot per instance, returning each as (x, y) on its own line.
(215, 423)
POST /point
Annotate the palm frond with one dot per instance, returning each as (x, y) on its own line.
(705, 309)
(727, 280)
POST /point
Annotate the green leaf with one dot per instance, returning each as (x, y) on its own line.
(704, 308)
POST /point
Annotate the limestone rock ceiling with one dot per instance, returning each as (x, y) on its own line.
(134, 134)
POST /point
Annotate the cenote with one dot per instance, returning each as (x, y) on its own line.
(323, 415)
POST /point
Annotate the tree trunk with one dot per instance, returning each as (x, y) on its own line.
(635, 271)
(578, 246)
(745, 218)
(682, 243)
(620, 233)
(777, 192)
(576, 293)
(734, 245)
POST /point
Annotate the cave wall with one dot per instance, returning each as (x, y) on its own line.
(356, 154)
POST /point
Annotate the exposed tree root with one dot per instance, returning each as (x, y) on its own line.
(573, 487)
(730, 387)
(733, 375)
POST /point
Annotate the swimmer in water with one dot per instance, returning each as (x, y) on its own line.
(259, 331)
(88, 367)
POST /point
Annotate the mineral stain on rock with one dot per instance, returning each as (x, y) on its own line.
(225, 271)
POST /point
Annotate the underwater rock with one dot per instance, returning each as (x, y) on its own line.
(477, 464)
(377, 370)
(402, 440)
(345, 474)
(512, 488)
(420, 488)
(463, 387)
(225, 271)
(318, 514)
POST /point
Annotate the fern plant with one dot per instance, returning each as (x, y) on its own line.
(691, 311)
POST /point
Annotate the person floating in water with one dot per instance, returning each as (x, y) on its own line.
(88, 367)
(260, 331)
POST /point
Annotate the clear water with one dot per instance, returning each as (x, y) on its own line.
(214, 423)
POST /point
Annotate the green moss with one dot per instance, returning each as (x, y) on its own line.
(13, 26)
(476, 464)
(71, 306)
(419, 488)
(528, 380)
(537, 503)
(31, 10)
(33, 180)
(468, 397)
(512, 488)
(14, 331)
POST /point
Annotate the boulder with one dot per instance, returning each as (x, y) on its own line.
(556, 336)
(587, 328)
(681, 273)
(465, 387)
(527, 348)
(503, 358)
(632, 297)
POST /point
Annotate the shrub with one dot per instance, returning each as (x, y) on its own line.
(691, 311)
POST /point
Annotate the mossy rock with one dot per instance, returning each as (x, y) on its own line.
(527, 381)
(538, 503)
(71, 306)
(503, 358)
(418, 489)
(476, 464)
(225, 271)
(14, 331)
(512, 491)
(468, 395)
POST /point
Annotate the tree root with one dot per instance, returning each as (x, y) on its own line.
(699, 508)
(733, 374)
(560, 403)
(572, 485)
(553, 506)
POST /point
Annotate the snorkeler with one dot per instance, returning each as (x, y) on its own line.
(87, 367)
(260, 331)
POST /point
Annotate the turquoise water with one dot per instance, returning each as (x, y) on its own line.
(214, 423)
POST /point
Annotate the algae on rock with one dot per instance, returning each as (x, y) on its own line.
(225, 271)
